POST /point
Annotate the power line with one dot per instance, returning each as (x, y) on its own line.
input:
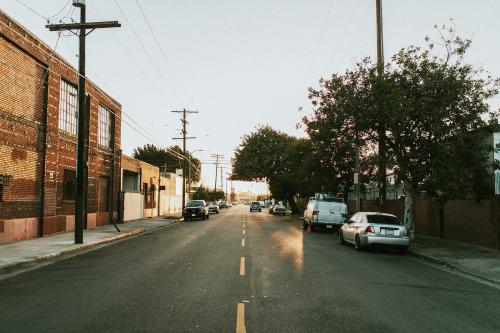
(147, 53)
(162, 51)
(320, 36)
(50, 55)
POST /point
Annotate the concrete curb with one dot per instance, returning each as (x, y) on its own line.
(447, 264)
(18, 265)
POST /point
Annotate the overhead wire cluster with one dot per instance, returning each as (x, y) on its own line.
(131, 122)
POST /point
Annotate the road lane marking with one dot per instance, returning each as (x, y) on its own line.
(243, 231)
(240, 318)
(243, 242)
(242, 266)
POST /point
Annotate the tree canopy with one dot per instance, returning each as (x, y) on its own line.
(166, 160)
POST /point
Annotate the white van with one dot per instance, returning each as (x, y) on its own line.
(325, 212)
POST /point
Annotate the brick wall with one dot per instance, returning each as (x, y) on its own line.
(34, 152)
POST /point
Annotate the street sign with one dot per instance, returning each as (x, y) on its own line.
(178, 172)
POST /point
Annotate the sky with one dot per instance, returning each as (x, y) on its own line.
(241, 64)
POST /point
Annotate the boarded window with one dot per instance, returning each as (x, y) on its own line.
(69, 185)
(68, 108)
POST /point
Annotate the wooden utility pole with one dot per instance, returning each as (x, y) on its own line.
(83, 121)
(184, 138)
(217, 157)
(382, 163)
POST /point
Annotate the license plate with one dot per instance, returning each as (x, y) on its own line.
(389, 232)
(329, 226)
(193, 214)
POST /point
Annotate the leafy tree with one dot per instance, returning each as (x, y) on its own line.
(165, 159)
(338, 124)
(203, 193)
(435, 104)
(431, 107)
(278, 158)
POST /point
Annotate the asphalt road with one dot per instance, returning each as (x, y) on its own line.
(242, 270)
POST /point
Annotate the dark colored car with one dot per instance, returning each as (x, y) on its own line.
(255, 206)
(196, 209)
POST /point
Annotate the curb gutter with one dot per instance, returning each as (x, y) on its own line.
(447, 264)
(17, 265)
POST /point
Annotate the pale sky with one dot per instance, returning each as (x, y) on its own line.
(242, 63)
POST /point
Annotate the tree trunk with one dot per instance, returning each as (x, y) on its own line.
(293, 205)
(408, 208)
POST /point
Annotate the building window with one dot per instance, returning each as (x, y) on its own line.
(69, 185)
(68, 108)
(105, 127)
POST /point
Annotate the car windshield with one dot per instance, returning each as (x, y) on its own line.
(255, 203)
(383, 219)
(195, 204)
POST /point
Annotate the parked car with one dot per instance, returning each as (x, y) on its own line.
(279, 210)
(367, 228)
(325, 212)
(213, 207)
(255, 206)
(196, 209)
(229, 204)
(223, 204)
(271, 209)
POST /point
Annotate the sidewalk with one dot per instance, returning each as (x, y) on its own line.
(17, 255)
(480, 262)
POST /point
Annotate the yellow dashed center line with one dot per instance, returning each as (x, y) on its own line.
(242, 266)
(243, 242)
(240, 318)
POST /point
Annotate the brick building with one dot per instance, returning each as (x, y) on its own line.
(38, 127)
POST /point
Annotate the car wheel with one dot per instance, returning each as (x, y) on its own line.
(208, 216)
(204, 217)
(357, 243)
(341, 237)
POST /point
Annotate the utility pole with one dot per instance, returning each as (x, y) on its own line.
(184, 138)
(217, 157)
(83, 121)
(221, 179)
(382, 165)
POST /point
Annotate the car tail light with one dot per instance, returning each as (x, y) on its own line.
(315, 212)
(370, 229)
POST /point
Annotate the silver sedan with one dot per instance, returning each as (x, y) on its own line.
(367, 228)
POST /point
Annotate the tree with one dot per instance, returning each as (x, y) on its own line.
(431, 107)
(338, 124)
(436, 106)
(168, 161)
(280, 159)
(203, 193)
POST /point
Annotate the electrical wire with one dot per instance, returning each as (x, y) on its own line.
(318, 41)
(162, 51)
(157, 69)
(65, 64)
